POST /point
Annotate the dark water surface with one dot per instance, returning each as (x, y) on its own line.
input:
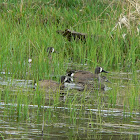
(74, 115)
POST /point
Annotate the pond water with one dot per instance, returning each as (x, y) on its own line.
(25, 114)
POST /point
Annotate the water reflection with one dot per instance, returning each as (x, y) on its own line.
(60, 124)
(71, 114)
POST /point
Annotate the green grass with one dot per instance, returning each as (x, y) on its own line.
(28, 29)
(29, 37)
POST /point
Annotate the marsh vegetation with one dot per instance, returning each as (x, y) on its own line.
(28, 28)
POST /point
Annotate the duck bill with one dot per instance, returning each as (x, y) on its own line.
(104, 71)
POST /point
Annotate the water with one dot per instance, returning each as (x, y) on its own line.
(60, 126)
(73, 115)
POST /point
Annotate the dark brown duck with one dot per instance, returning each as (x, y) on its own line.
(84, 76)
(52, 86)
(73, 35)
(89, 85)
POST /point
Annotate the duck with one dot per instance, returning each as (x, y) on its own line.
(99, 85)
(73, 35)
(84, 76)
(90, 85)
(53, 86)
(50, 50)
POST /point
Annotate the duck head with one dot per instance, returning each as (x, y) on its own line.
(99, 70)
(50, 50)
(70, 73)
(66, 79)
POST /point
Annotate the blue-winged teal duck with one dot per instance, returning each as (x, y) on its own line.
(89, 84)
(50, 85)
(50, 50)
(83, 76)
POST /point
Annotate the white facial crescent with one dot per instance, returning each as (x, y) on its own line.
(65, 79)
(101, 69)
(72, 74)
(52, 50)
